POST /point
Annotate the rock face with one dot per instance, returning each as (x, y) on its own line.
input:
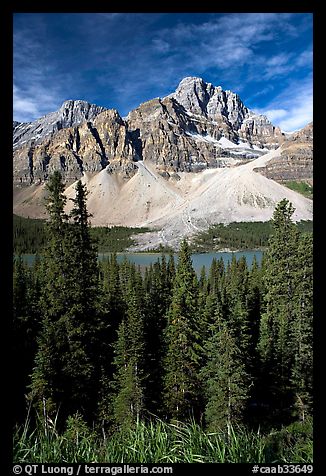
(226, 111)
(171, 140)
(185, 130)
(295, 161)
(197, 127)
(88, 147)
(70, 114)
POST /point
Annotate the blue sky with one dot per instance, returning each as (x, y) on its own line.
(119, 60)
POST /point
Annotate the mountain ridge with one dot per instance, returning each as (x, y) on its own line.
(176, 164)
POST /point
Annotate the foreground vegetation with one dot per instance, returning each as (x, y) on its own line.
(239, 236)
(223, 361)
(160, 442)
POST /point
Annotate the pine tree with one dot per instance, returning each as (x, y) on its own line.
(302, 332)
(224, 377)
(157, 304)
(283, 324)
(236, 289)
(65, 372)
(215, 274)
(253, 364)
(128, 381)
(25, 329)
(182, 336)
(45, 386)
(82, 320)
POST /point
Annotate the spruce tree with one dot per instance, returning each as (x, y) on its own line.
(112, 309)
(225, 380)
(65, 373)
(26, 323)
(284, 323)
(182, 340)
(127, 402)
(156, 306)
(301, 333)
(236, 289)
(253, 364)
(45, 386)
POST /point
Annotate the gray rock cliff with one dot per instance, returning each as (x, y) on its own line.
(70, 114)
(88, 147)
(295, 161)
(198, 126)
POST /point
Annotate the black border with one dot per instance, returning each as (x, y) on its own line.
(277, 6)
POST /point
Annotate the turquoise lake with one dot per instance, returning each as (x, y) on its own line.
(199, 260)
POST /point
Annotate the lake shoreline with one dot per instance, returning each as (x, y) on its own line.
(198, 259)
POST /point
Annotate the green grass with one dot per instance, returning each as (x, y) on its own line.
(160, 442)
(301, 187)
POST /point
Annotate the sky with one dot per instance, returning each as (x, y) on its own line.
(119, 60)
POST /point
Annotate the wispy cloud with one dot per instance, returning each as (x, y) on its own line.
(120, 60)
(297, 106)
(33, 103)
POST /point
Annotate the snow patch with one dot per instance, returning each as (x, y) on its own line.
(226, 143)
(201, 138)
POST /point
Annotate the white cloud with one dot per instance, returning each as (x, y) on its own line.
(297, 106)
(285, 63)
(299, 115)
(305, 58)
(133, 66)
(33, 103)
(275, 114)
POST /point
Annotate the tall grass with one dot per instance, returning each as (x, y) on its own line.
(155, 442)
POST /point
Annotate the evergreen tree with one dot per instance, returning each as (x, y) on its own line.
(65, 372)
(128, 380)
(157, 304)
(45, 386)
(224, 378)
(112, 308)
(182, 336)
(25, 329)
(284, 327)
(236, 289)
(301, 333)
(215, 274)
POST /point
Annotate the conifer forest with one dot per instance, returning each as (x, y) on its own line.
(115, 364)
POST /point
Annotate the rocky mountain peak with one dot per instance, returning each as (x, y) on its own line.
(193, 94)
(303, 135)
(198, 126)
(70, 114)
(212, 102)
(74, 112)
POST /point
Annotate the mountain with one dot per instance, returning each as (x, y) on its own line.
(294, 160)
(70, 114)
(175, 164)
(226, 113)
(200, 126)
(197, 127)
(88, 147)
